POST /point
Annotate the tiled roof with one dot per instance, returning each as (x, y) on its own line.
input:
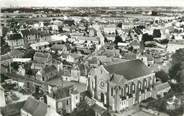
(129, 69)
(30, 105)
(75, 55)
(93, 60)
(135, 43)
(86, 38)
(80, 87)
(17, 52)
(5, 57)
(40, 54)
(41, 110)
(162, 86)
(35, 107)
(129, 56)
(50, 68)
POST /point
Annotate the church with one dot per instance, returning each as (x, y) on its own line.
(121, 85)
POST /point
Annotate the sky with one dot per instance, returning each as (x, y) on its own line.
(90, 3)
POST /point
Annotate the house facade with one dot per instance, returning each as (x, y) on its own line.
(15, 40)
(65, 99)
(47, 73)
(40, 60)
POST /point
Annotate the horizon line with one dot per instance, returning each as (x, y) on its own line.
(92, 3)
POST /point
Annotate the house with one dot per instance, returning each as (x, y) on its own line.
(99, 111)
(40, 60)
(2, 97)
(33, 107)
(91, 32)
(135, 44)
(15, 40)
(173, 46)
(12, 109)
(60, 48)
(65, 98)
(73, 57)
(66, 28)
(56, 39)
(161, 89)
(30, 36)
(47, 73)
(54, 28)
(173, 103)
(83, 39)
(112, 53)
(121, 85)
(40, 46)
(110, 37)
(109, 29)
(17, 53)
(21, 71)
(97, 107)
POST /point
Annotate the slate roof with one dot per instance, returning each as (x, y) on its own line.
(58, 47)
(98, 109)
(15, 36)
(135, 43)
(39, 56)
(35, 107)
(25, 32)
(117, 79)
(63, 92)
(129, 69)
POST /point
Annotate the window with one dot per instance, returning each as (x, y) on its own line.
(122, 92)
(145, 83)
(127, 88)
(139, 85)
(67, 102)
(133, 87)
(76, 97)
(112, 92)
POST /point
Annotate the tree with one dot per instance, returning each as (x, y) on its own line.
(156, 33)
(83, 109)
(29, 53)
(177, 70)
(119, 25)
(4, 46)
(15, 65)
(117, 39)
(178, 57)
(162, 75)
(4, 31)
(147, 37)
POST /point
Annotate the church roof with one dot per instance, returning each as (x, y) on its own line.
(129, 69)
